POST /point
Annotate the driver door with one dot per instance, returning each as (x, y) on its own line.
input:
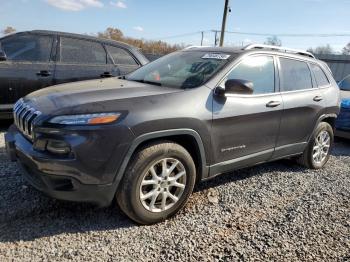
(245, 127)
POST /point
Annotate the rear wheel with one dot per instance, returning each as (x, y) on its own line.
(317, 152)
(157, 183)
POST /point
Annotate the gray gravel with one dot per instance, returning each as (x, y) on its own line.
(276, 211)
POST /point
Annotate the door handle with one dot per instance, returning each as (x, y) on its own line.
(273, 103)
(43, 73)
(106, 74)
(318, 98)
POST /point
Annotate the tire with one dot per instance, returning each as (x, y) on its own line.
(140, 179)
(307, 159)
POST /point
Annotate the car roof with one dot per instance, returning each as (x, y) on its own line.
(214, 49)
(243, 50)
(81, 36)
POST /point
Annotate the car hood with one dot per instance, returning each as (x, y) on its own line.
(92, 95)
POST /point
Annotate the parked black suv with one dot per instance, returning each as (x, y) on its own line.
(36, 59)
(147, 138)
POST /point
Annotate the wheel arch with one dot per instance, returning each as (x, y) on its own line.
(187, 138)
(328, 118)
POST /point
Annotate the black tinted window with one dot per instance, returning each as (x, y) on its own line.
(320, 76)
(295, 75)
(78, 51)
(121, 56)
(33, 48)
(259, 70)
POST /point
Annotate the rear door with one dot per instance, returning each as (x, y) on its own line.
(303, 104)
(81, 59)
(29, 66)
(123, 59)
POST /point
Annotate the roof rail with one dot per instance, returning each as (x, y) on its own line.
(279, 48)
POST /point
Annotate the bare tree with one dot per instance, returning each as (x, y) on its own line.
(147, 46)
(273, 40)
(322, 50)
(8, 30)
(346, 49)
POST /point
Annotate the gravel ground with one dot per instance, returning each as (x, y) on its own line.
(276, 211)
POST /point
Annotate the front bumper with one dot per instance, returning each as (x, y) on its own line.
(61, 178)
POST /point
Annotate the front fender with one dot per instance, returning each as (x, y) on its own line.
(163, 134)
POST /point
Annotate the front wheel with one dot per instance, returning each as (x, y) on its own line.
(317, 152)
(157, 183)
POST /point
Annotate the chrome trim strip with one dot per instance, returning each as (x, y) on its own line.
(25, 117)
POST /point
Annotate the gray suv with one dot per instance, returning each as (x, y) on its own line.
(146, 138)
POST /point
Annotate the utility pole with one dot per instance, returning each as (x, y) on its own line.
(223, 27)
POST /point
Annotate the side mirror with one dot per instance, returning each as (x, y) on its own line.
(2, 56)
(237, 86)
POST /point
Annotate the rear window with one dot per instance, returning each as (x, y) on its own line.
(31, 48)
(295, 75)
(321, 78)
(77, 51)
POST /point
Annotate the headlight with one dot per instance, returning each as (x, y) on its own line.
(87, 119)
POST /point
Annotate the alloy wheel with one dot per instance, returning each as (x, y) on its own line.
(321, 147)
(162, 185)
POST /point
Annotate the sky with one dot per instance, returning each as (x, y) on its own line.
(180, 21)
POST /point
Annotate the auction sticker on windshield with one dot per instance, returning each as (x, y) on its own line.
(216, 56)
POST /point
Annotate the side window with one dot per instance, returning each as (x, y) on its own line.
(320, 76)
(32, 48)
(121, 56)
(77, 51)
(259, 70)
(295, 75)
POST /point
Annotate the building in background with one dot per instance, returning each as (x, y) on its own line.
(339, 64)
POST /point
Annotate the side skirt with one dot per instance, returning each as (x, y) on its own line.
(256, 159)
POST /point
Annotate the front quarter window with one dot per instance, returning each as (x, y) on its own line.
(181, 70)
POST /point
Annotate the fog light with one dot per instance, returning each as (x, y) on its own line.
(57, 147)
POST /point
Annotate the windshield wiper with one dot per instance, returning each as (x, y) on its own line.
(146, 82)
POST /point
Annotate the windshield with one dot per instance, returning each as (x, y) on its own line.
(181, 69)
(345, 84)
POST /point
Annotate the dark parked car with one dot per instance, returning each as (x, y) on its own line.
(33, 60)
(147, 138)
(343, 120)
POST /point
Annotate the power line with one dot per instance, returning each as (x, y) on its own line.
(259, 34)
(288, 35)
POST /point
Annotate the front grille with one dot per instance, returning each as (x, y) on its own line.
(24, 117)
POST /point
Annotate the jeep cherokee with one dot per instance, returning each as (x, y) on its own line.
(146, 138)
